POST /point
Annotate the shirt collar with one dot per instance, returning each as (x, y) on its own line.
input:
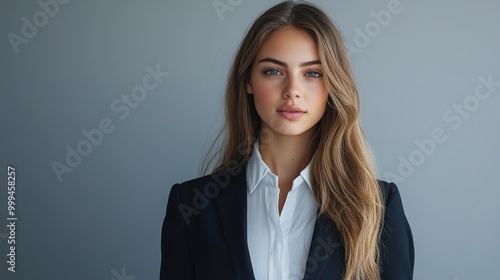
(257, 169)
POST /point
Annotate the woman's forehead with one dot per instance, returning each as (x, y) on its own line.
(290, 45)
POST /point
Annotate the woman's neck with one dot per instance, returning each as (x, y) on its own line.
(286, 156)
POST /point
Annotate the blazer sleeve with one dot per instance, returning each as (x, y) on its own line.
(397, 250)
(176, 259)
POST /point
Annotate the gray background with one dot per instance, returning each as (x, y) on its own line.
(103, 220)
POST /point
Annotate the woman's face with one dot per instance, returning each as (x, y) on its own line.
(287, 83)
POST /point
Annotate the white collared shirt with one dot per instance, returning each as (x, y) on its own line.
(278, 244)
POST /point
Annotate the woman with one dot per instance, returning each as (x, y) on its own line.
(294, 194)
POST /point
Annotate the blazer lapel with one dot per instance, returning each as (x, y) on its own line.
(326, 253)
(232, 208)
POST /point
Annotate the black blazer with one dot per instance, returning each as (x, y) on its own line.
(204, 234)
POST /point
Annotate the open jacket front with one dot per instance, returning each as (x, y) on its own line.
(204, 234)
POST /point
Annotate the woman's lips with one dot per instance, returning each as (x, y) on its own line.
(291, 115)
(290, 112)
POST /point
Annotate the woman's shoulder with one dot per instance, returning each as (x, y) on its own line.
(390, 192)
(194, 181)
(394, 214)
(213, 182)
(397, 251)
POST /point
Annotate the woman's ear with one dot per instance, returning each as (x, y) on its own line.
(249, 87)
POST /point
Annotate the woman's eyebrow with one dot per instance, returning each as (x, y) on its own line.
(275, 61)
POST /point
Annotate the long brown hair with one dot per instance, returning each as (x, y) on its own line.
(343, 174)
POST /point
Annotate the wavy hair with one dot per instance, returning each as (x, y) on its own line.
(343, 174)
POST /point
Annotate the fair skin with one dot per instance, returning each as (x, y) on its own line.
(287, 71)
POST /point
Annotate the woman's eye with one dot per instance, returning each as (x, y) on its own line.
(272, 72)
(313, 74)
